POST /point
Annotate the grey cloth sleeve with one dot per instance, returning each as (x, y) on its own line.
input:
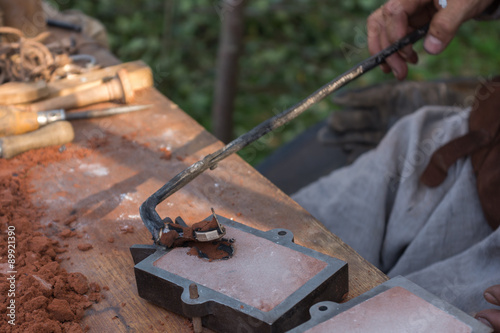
(438, 237)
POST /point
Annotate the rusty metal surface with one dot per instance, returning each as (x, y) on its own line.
(103, 191)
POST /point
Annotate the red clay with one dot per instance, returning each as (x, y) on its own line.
(48, 298)
(85, 246)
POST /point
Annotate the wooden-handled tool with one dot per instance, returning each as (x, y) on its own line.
(117, 89)
(140, 76)
(22, 92)
(57, 133)
(14, 122)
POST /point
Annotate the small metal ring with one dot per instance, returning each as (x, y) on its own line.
(91, 61)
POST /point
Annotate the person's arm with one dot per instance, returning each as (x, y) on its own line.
(491, 317)
(396, 18)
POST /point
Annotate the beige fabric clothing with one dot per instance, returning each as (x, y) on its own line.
(437, 237)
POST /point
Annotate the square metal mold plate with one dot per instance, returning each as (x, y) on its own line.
(397, 305)
(267, 286)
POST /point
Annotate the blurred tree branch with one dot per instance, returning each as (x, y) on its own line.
(226, 82)
(168, 27)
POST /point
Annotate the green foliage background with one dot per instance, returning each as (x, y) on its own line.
(291, 48)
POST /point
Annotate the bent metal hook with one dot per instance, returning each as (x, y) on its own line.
(154, 222)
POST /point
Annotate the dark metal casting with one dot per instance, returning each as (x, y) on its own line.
(223, 313)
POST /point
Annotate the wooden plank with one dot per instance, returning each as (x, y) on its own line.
(127, 163)
(104, 190)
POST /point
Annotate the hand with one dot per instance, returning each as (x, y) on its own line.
(491, 317)
(397, 18)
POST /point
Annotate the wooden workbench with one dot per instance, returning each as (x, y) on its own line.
(105, 189)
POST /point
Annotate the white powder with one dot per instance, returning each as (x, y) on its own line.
(95, 170)
(125, 196)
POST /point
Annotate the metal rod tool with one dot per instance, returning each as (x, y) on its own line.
(148, 209)
(14, 122)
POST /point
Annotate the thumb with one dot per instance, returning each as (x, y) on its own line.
(444, 26)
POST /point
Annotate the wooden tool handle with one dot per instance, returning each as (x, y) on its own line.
(57, 133)
(116, 89)
(140, 77)
(22, 92)
(14, 122)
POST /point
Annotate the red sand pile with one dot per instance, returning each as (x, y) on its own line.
(47, 297)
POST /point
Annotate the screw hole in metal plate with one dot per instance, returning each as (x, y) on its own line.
(282, 233)
(323, 308)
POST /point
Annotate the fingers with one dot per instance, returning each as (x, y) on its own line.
(397, 27)
(492, 295)
(397, 18)
(396, 62)
(443, 27)
(387, 25)
(446, 21)
(490, 318)
(375, 27)
(396, 24)
(378, 40)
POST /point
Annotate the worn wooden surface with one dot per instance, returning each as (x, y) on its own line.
(104, 190)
